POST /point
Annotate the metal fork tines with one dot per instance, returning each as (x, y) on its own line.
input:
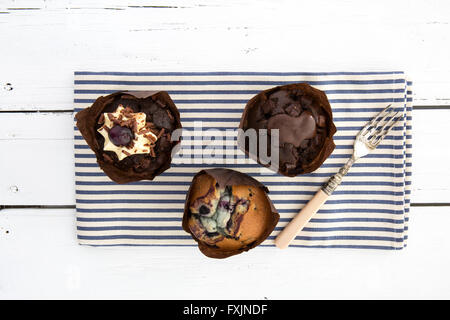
(375, 131)
(366, 140)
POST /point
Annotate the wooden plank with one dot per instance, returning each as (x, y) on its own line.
(431, 157)
(36, 166)
(62, 37)
(40, 258)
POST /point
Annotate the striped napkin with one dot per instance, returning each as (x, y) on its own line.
(369, 210)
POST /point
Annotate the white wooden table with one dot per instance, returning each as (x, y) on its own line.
(43, 42)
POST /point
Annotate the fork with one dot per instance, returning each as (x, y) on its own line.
(366, 140)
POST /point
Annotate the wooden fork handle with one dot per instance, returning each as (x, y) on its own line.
(291, 230)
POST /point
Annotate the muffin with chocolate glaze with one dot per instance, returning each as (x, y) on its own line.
(227, 212)
(131, 133)
(303, 116)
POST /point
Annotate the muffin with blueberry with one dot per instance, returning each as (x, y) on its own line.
(228, 212)
(131, 133)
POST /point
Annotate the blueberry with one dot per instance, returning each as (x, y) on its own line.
(161, 119)
(120, 136)
(204, 210)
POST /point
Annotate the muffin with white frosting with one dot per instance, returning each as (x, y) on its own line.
(131, 133)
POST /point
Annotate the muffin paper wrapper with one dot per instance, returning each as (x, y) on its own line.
(224, 178)
(369, 210)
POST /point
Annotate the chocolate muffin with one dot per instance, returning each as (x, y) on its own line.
(131, 133)
(303, 116)
(227, 212)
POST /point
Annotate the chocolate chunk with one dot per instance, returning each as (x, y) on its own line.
(268, 106)
(130, 103)
(305, 143)
(281, 98)
(149, 107)
(164, 143)
(277, 110)
(271, 108)
(160, 103)
(306, 102)
(289, 154)
(162, 120)
(255, 115)
(142, 165)
(297, 93)
(293, 110)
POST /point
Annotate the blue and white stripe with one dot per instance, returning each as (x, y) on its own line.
(369, 210)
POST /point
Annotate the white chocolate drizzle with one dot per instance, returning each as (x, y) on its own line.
(143, 139)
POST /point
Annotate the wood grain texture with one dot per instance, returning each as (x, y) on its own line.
(62, 269)
(49, 136)
(298, 222)
(48, 40)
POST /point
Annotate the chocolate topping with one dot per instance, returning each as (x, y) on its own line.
(293, 130)
(303, 116)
